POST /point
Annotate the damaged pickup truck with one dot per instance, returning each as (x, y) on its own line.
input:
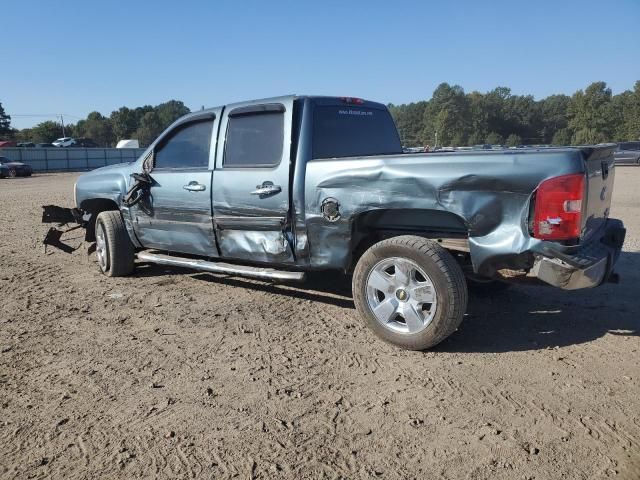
(274, 188)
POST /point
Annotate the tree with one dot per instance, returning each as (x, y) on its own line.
(476, 138)
(494, 139)
(96, 127)
(24, 135)
(590, 114)
(521, 116)
(553, 110)
(150, 127)
(170, 111)
(447, 113)
(6, 132)
(630, 108)
(408, 119)
(562, 137)
(124, 123)
(513, 140)
(46, 132)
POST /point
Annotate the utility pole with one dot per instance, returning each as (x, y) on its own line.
(62, 121)
(436, 139)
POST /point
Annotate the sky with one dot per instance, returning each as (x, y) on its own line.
(74, 57)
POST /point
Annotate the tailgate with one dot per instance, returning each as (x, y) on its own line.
(600, 168)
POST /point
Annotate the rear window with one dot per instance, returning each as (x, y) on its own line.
(351, 130)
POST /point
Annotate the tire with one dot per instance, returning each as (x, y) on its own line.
(410, 291)
(114, 251)
(13, 173)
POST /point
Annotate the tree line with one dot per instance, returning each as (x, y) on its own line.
(592, 115)
(141, 123)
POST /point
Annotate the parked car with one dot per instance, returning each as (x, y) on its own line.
(627, 153)
(26, 145)
(45, 145)
(64, 142)
(85, 142)
(281, 186)
(484, 146)
(15, 169)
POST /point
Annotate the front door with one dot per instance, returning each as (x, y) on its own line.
(177, 215)
(251, 195)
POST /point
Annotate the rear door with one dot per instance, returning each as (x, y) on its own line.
(177, 215)
(251, 182)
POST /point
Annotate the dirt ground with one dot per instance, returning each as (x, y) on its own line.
(177, 374)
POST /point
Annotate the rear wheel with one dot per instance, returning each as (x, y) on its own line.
(114, 251)
(410, 291)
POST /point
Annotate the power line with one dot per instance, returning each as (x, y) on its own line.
(43, 115)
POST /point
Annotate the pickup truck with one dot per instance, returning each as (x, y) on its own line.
(277, 187)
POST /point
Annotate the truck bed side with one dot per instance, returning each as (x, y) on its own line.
(489, 192)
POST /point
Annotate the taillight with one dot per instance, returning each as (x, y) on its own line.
(352, 100)
(558, 208)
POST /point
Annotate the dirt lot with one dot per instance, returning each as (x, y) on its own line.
(179, 374)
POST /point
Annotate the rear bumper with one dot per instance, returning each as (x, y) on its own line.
(588, 267)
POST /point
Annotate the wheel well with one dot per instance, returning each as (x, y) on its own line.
(95, 206)
(374, 226)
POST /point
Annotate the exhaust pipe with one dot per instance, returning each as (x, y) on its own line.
(226, 268)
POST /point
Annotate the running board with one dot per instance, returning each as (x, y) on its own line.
(216, 267)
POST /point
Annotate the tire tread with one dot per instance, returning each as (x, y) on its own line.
(455, 285)
(121, 250)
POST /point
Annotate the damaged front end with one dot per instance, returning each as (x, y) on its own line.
(69, 219)
(72, 218)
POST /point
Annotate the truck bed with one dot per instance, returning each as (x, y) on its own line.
(487, 193)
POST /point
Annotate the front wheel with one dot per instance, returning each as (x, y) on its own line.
(13, 173)
(410, 291)
(114, 251)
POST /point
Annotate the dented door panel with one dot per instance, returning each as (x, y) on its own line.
(251, 200)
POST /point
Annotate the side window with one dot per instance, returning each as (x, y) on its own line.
(630, 146)
(254, 139)
(187, 147)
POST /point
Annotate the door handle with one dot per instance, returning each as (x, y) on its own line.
(195, 187)
(267, 188)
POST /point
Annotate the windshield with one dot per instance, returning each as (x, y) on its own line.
(353, 130)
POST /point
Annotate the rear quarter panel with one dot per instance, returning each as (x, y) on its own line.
(490, 192)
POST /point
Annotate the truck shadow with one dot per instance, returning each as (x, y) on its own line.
(518, 319)
(329, 288)
(538, 317)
